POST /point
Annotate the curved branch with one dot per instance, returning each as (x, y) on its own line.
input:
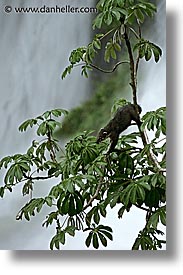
(37, 178)
(113, 69)
(141, 207)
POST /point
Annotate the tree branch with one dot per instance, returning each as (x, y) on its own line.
(95, 195)
(138, 57)
(113, 69)
(37, 178)
(141, 207)
(133, 70)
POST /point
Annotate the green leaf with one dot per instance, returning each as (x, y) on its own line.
(98, 21)
(148, 54)
(154, 219)
(133, 194)
(104, 227)
(39, 204)
(141, 193)
(67, 71)
(113, 53)
(61, 237)
(151, 6)
(139, 15)
(95, 241)
(154, 180)
(18, 173)
(79, 201)
(97, 44)
(107, 234)
(70, 230)
(116, 14)
(145, 185)
(48, 201)
(46, 114)
(42, 129)
(152, 199)
(25, 166)
(25, 124)
(72, 207)
(5, 161)
(96, 217)
(102, 239)
(121, 212)
(103, 211)
(162, 214)
(52, 243)
(65, 205)
(136, 244)
(157, 52)
(88, 239)
(1, 192)
(117, 47)
(108, 18)
(130, 18)
(121, 2)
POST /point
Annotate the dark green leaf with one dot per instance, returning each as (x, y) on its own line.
(61, 237)
(102, 239)
(104, 227)
(42, 129)
(163, 217)
(139, 15)
(65, 205)
(70, 230)
(141, 193)
(154, 219)
(48, 201)
(88, 239)
(152, 198)
(1, 192)
(148, 53)
(121, 212)
(98, 21)
(107, 234)
(95, 241)
(96, 217)
(136, 244)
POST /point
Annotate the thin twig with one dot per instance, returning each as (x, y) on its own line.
(134, 32)
(141, 207)
(113, 69)
(37, 178)
(107, 33)
(95, 195)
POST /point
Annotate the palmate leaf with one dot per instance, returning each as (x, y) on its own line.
(26, 124)
(29, 209)
(98, 235)
(147, 48)
(57, 239)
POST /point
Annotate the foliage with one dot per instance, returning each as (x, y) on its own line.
(89, 181)
(115, 15)
(88, 115)
(85, 174)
